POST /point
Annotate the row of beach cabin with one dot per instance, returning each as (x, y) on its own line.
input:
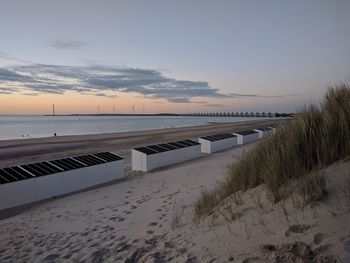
(29, 183)
(150, 157)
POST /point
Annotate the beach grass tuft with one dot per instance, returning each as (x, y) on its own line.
(312, 187)
(318, 136)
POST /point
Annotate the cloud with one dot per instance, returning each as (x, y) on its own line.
(214, 105)
(238, 95)
(58, 44)
(9, 75)
(6, 56)
(7, 91)
(100, 80)
(106, 95)
(30, 94)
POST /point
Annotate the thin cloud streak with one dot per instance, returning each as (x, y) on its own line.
(65, 45)
(214, 105)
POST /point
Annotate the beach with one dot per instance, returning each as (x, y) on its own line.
(150, 218)
(111, 223)
(15, 152)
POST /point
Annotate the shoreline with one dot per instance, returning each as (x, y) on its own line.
(23, 139)
(19, 151)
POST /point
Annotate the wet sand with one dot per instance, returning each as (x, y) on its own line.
(14, 152)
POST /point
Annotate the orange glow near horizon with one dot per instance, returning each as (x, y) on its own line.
(75, 103)
(70, 103)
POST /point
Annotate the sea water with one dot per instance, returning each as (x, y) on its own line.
(22, 127)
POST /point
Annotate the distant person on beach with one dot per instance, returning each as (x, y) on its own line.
(55, 134)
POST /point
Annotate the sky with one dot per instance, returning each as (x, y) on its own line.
(170, 56)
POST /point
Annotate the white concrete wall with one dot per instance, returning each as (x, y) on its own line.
(239, 138)
(215, 146)
(115, 170)
(263, 134)
(75, 180)
(137, 160)
(44, 187)
(243, 139)
(205, 145)
(250, 138)
(273, 130)
(145, 163)
(47, 186)
(17, 193)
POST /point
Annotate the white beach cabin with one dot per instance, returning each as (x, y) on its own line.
(273, 130)
(263, 132)
(217, 142)
(30, 183)
(150, 157)
(248, 136)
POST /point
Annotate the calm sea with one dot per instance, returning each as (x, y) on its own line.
(18, 127)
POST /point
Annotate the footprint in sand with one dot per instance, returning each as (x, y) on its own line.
(153, 224)
(67, 256)
(318, 238)
(150, 232)
(347, 246)
(297, 229)
(51, 258)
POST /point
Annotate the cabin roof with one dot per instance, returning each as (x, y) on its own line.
(246, 132)
(27, 171)
(164, 147)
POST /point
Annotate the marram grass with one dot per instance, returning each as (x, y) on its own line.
(318, 136)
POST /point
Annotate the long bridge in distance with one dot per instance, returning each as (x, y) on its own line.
(196, 114)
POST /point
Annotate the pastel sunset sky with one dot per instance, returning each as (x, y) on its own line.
(170, 56)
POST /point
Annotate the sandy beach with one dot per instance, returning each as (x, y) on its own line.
(149, 218)
(14, 152)
(111, 223)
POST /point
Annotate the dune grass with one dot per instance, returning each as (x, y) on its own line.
(318, 136)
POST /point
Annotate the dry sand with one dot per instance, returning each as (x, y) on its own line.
(137, 217)
(149, 218)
